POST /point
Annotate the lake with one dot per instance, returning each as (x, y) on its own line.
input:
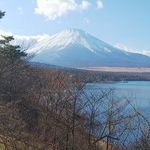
(136, 91)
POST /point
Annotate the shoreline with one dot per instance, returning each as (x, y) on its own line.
(117, 69)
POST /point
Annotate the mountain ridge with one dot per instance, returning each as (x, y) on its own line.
(77, 48)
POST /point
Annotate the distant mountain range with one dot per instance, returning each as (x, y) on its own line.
(76, 48)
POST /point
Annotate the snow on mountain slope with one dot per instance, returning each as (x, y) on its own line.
(76, 48)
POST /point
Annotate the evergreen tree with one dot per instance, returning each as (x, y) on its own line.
(9, 52)
(13, 68)
(2, 14)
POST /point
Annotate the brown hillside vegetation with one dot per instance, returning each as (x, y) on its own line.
(49, 109)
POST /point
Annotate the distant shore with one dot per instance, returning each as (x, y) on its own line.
(118, 69)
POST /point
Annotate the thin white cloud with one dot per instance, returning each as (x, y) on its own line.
(52, 9)
(17, 36)
(100, 4)
(20, 10)
(124, 47)
(5, 33)
(85, 5)
(26, 42)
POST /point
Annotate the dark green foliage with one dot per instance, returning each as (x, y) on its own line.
(2, 14)
(10, 52)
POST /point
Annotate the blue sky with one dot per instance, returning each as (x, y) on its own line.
(124, 23)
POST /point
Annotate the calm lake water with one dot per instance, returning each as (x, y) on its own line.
(138, 92)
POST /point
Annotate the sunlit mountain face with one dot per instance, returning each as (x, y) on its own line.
(77, 48)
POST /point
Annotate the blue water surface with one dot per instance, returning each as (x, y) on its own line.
(137, 92)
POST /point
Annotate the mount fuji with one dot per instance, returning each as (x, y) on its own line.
(76, 48)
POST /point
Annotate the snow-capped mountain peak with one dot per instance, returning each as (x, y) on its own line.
(68, 38)
(58, 41)
(76, 48)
